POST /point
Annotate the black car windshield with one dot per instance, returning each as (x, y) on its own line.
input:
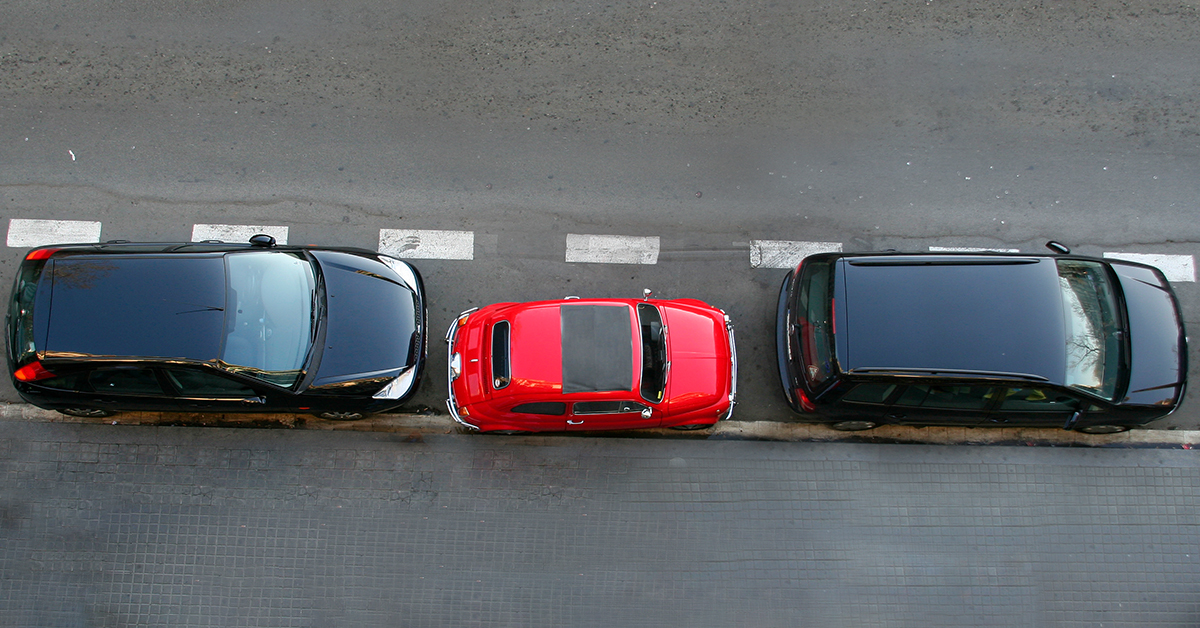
(654, 353)
(268, 315)
(1092, 327)
(814, 322)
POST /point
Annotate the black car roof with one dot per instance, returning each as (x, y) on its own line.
(169, 306)
(975, 313)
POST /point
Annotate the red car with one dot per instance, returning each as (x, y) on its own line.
(598, 364)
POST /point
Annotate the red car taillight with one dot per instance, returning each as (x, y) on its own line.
(37, 254)
(32, 372)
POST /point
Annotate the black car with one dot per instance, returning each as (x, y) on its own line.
(980, 339)
(94, 329)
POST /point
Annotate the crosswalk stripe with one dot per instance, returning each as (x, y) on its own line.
(786, 253)
(1177, 268)
(26, 232)
(427, 244)
(612, 249)
(238, 233)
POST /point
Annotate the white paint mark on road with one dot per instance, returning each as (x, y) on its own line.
(237, 233)
(71, 153)
(786, 253)
(24, 232)
(427, 244)
(969, 249)
(611, 249)
(1177, 268)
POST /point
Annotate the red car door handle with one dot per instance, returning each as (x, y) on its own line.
(570, 422)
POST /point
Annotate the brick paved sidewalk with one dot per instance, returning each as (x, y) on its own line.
(106, 525)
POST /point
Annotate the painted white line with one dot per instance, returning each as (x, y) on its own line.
(24, 232)
(427, 244)
(786, 253)
(237, 233)
(610, 249)
(969, 249)
(1177, 268)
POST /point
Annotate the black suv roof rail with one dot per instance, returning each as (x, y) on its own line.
(918, 372)
(921, 259)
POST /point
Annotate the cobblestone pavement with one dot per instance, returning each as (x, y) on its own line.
(156, 526)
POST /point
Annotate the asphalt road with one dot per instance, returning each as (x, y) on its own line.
(709, 125)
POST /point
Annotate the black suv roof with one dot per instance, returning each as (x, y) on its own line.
(998, 314)
(147, 305)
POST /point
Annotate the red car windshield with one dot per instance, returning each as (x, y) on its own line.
(654, 353)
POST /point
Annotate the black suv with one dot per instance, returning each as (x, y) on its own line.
(97, 328)
(979, 339)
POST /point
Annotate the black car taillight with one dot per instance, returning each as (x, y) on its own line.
(32, 372)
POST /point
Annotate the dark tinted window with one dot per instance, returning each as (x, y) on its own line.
(269, 315)
(870, 393)
(950, 397)
(607, 407)
(814, 321)
(551, 408)
(654, 352)
(124, 381)
(73, 381)
(501, 367)
(1036, 400)
(195, 383)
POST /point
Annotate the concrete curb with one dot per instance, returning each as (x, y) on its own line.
(417, 424)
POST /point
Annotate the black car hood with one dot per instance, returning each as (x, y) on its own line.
(371, 320)
(1158, 356)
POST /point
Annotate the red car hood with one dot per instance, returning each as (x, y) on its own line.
(698, 347)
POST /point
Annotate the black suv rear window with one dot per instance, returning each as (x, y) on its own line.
(814, 321)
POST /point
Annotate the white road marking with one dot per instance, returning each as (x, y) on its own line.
(427, 244)
(786, 253)
(1178, 268)
(24, 232)
(969, 249)
(611, 249)
(237, 233)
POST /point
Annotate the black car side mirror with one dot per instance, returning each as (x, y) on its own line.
(1058, 247)
(262, 239)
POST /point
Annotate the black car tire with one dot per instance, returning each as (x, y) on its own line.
(508, 432)
(1104, 429)
(853, 426)
(341, 416)
(93, 413)
(692, 426)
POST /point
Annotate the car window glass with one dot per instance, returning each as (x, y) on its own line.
(607, 407)
(1091, 325)
(654, 353)
(551, 408)
(193, 383)
(1037, 399)
(73, 381)
(870, 393)
(814, 322)
(125, 381)
(951, 397)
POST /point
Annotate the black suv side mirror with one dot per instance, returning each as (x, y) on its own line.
(1058, 247)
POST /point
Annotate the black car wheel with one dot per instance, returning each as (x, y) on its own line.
(85, 412)
(341, 416)
(508, 432)
(692, 426)
(853, 426)
(1104, 429)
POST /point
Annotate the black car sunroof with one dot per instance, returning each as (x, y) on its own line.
(597, 348)
(171, 307)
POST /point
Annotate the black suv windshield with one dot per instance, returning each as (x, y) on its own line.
(269, 315)
(814, 321)
(1091, 327)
